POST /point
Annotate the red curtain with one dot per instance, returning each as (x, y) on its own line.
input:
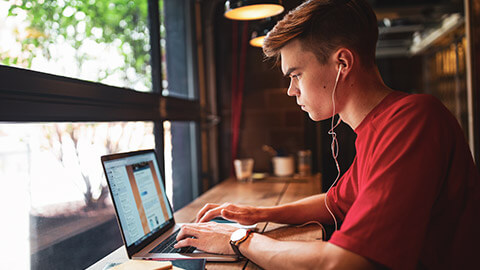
(238, 81)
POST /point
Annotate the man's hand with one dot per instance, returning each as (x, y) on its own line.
(245, 215)
(210, 237)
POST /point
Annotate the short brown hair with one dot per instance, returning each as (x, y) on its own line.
(323, 26)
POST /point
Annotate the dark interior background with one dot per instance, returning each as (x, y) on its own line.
(270, 117)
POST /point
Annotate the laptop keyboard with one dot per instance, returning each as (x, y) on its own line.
(167, 246)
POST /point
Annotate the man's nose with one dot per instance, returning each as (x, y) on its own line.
(292, 89)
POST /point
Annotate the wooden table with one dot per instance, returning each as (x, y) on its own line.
(267, 192)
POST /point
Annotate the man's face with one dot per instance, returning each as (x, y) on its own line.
(310, 82)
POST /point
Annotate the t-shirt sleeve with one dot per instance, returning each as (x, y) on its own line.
(387, 220)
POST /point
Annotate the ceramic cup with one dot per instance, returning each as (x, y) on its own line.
(283, 166)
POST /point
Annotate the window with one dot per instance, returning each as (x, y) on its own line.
(80, 79)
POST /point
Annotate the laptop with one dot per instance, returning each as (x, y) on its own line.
(143, 211)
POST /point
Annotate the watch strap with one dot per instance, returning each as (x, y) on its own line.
(235, 244)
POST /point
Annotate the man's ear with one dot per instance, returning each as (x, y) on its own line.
(345, 58)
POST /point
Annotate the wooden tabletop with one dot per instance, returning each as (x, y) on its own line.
(267, 192)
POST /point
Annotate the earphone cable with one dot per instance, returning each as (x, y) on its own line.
(334, 146)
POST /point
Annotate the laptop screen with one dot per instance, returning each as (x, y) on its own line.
(138, 193)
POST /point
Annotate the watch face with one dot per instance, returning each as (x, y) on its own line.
(238, 234)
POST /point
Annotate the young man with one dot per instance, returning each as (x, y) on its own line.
(411, 198)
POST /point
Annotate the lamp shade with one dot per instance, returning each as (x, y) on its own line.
(245, 10)
(257, 41)
(260, 32)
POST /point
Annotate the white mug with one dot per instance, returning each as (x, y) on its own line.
(283, 166)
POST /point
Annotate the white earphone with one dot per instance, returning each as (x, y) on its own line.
(334, 145)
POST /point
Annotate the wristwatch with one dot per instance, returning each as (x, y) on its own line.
(239, 236)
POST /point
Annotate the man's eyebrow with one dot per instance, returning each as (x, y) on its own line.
(289, 71)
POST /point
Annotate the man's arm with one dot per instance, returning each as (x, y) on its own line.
(273, 254)
(270, 253)
(308, 209)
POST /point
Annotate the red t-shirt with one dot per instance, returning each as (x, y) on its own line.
(411, 199)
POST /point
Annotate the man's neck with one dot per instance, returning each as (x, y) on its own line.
(362, 92)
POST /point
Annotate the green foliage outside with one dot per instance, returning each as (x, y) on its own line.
(122, 23)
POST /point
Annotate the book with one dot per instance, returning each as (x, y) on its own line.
(179, 264)
(145, 265)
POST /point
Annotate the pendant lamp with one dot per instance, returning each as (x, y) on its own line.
(257, 41)
(260, 32)
(245, 10)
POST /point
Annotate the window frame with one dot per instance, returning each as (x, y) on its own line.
(32, 96)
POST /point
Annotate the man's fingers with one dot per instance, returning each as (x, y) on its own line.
(205, 208)
(215, 212)
(211, 214)
(186, 231)
(210, 211)
(237, 217)
(187, 242)
(228, 214)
